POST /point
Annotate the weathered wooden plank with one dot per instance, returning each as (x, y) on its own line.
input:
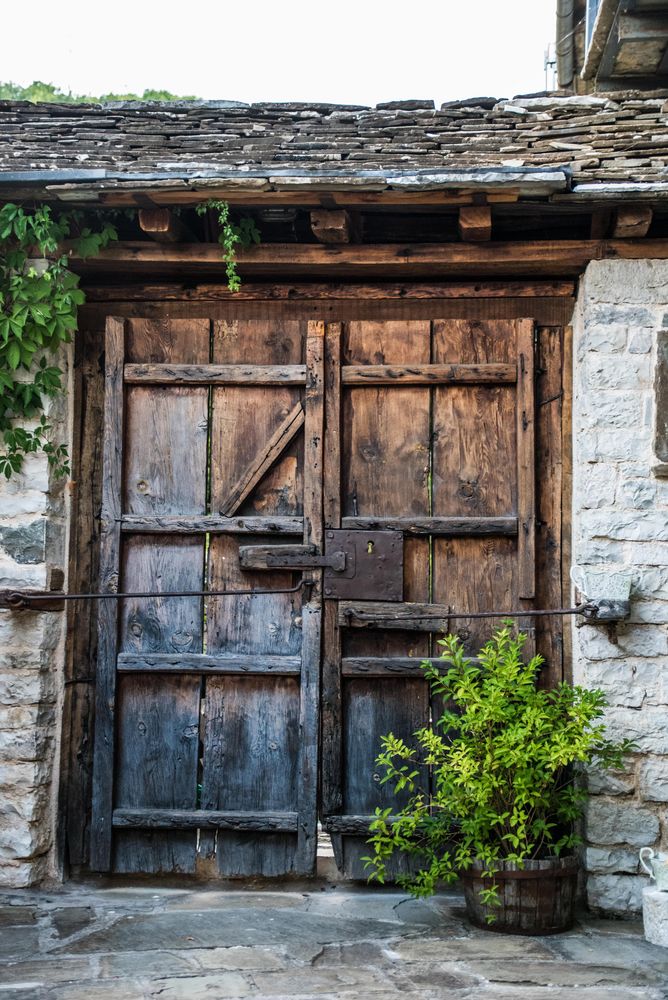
(251, 724)
(553, 257)
(549, 631)
(474, 475)
(83, 577)
(355, 825)
(475, 223)
(201, 663)
(264, 460)
(428, 374)
(442, 526)
(215, 374)
(251, 742)
(312, 198)
(567, 491)
(166, 431)
(212, 524)
(400, 706)
(158, 719)
(268, 292)
(547, 311)
(157, 768)
(408, 616)
(526, 460)
(381, 666)
(105, 695)
(189, 819)
(309, 708)
(331, 750)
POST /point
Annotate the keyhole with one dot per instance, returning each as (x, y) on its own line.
(369, 547)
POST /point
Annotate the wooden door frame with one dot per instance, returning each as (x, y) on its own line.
(550, 302)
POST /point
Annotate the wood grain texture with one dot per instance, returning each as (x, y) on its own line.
(526, 460)
(251, 747)
(212, 819)
(215, 374)
(428, 374)
(201, 663)
(171, 291)
(105, 695)
(83, 577)
(549, 486)
(212, 523)
(436, 526)
(309, 705)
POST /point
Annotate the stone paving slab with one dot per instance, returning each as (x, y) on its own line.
(328, 942)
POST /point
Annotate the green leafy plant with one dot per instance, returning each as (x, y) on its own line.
(39, 298)
(502, 759)
(231, 235)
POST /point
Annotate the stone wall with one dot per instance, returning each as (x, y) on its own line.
(33, 546)
(620, 522)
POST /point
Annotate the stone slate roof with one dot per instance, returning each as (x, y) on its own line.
(561, 143)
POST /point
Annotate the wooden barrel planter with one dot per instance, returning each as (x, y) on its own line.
(538, 898)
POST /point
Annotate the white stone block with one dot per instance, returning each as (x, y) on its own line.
(620, 822)
(641, 341)
(609, 371)
(626, 682)
(642, 526)
(619, 409)
(611, 859)
(637, 493)
(653, 779)
(655, 916)
(618, 895)
(647, 727)
(625, 281)
(601, 782)
(20, 874)
(595, 486)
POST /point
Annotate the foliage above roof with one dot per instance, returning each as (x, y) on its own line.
(50, 94)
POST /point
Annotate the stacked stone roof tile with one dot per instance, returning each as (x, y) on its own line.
(620, 138)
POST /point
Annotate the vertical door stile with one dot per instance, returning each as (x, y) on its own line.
(331, 655)
(110, 539)
(305, 857)
(526, 470)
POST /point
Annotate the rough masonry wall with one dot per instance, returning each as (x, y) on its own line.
(33, 546)
(620, 522)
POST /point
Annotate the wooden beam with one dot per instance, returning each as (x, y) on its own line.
(188, 819)
(162, 374)
(201, 663)
(428, 374)
(546, 257)
(319, 291)
(632, 222)
(331, 226)
(309, 199)
(445, 527)
(475, 223)
(177, 524)
(601, 223)
(163, 226)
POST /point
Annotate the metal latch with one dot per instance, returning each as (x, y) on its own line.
(358, 565)
(289, 557)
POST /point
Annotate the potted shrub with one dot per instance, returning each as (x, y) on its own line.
(504, 800)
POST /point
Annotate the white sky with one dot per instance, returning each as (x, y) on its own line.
(350, 51)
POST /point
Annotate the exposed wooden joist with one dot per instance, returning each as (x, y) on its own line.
(331, 226)
(601, 223)
(475, 223)
(163, 226)
(563, 257)
(632, 222)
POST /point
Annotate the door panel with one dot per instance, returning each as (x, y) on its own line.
(206, 744)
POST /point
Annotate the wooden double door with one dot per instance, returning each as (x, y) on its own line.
(229, 723)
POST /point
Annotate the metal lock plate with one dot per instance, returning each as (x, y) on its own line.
(374, 566)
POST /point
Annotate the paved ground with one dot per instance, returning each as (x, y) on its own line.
(322, 941)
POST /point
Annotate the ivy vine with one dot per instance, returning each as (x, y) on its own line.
(39, 298)
(231, 235)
